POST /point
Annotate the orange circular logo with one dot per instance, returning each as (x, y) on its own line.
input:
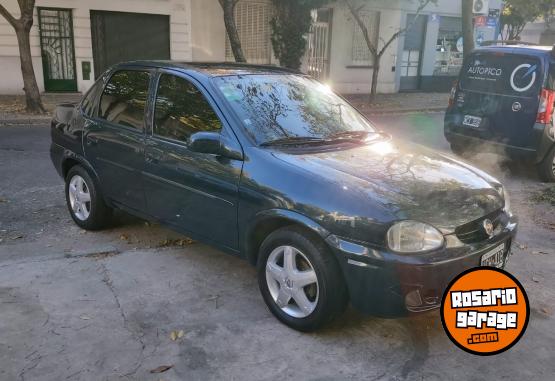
(485, 311)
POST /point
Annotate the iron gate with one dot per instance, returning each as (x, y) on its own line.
(319, 44)
(57, 50)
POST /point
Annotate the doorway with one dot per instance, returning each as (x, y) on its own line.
(319, 44)
(122, 36)
(57, 49)
(412, 53)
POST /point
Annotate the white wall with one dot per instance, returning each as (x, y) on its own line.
(11, 81)
(207, 31)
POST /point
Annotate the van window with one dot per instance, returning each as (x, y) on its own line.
(506, 74)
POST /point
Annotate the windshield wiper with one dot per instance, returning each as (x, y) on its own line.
(293, 140)
(350, 135)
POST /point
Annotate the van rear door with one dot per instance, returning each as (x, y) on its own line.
(497, 98)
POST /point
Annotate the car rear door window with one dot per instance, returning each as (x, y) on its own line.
(124, 98)
(503, 74)
(181, 110)
(88, 103)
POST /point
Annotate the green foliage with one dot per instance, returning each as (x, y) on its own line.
(517, 13)
(290, 25)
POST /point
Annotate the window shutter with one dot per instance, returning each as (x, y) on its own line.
(253, 26)
(360, 52)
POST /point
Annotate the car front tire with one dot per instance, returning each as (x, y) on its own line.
(546, 169)
(84, 200)
(300, 280)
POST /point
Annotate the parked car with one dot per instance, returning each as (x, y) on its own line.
(504, 101)
(272, 166)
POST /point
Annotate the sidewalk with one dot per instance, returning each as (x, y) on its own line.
(400, 103)
(12, 107)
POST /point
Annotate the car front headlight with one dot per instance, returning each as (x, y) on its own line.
(507, 207)
(413, 237)
(503, 193)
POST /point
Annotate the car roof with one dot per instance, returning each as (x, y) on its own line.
(213, 69)
(516, 48)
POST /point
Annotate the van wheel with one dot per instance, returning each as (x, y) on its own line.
(546, 169)
(459, 149)
(300, 280)
(84, 200)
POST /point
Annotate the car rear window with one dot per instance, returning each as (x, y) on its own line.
(507, 74)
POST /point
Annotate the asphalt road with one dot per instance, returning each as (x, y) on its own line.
(101, 306)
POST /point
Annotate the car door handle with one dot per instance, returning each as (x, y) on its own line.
(92, 141)
(152, 159)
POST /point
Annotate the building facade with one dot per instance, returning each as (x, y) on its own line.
(74, 41)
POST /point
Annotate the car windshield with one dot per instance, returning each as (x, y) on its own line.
(291, 108)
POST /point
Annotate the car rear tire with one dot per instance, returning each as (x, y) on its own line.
(546, 169)
(84, 200)
(300, 280)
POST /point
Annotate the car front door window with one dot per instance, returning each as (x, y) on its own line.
(181, 110)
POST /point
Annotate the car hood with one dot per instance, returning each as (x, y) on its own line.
(409, 181)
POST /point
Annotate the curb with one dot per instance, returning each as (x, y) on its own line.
(404, 111)
(46, 120)
(24, 121)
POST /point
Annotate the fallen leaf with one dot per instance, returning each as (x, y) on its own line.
(124, 237)
(545, 311)
(174, 335)
(161, 369)
(539, 252)
(3, 200)
(534, 279)
(84, 317)
(17, 237)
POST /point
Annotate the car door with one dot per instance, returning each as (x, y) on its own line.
(196, 192)
(114, 139)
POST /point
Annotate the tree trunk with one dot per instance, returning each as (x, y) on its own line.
(32, 94)
(467, 27)
(375, 74)
(231, 29)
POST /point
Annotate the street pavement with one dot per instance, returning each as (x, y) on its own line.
(78, 305)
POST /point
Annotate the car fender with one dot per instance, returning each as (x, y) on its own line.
(282, 215)
(70, 155)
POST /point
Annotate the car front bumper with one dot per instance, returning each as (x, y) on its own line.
(391, 285)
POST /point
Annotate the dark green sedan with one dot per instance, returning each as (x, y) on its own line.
(272, 166)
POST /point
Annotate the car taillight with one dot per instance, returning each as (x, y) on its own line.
(453, 93)
(545, 109)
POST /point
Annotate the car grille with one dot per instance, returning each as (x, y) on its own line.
(474, 231)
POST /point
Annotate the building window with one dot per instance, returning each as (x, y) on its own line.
(360, 55)
(253, 26)
(449, 55)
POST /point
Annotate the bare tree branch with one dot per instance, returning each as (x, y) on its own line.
(423, 4)
(12, 20)
(355, 12)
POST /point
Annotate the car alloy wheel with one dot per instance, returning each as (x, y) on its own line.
(292, 281)
(79, 198)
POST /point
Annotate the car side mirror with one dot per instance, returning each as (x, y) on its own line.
(214, 143)
(206, 142)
